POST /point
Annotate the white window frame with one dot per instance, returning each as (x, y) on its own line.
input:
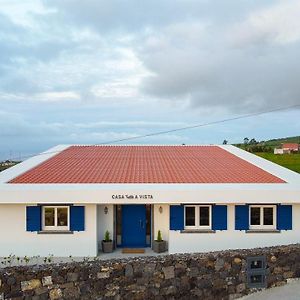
(262, 226)
(197, 217)
(55, 227)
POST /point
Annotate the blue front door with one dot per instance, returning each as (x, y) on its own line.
(134, 226)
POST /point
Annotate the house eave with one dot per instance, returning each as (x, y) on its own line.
(149, 193)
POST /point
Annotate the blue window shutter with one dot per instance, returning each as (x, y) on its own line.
(77, 218)
(176, 217)
(219, 217)
(33, 218)
(241, 217)
(284, 217)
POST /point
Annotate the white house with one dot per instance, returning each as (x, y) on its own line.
(287, 148)
(202, 198)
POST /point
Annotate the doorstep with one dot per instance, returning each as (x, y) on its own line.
(117, 254)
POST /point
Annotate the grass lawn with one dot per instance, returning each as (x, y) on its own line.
(290, 161)
(2, 168)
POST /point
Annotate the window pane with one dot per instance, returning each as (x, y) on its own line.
(268, 215)
(119, 220)
(256, 264)
(62, 216)
(256, 279)
(255, 215)
(204, 216)
(190, 216)
(148, 219)
(49, 216)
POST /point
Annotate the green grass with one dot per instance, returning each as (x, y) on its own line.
(290, 161)
(2, 168)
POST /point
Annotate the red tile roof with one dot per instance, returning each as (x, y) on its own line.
(291, 146)
(146, 164)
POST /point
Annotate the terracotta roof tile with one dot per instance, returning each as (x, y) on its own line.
(146, 164)
(291, 146)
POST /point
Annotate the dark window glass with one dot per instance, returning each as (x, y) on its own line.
(62, 216)
(148, 219)
(256, 264)
(118, 224)
(255, 215)
(256, 279)
(268, 215)
(190, 216)
(119, 219)
(49, 216)
(204, 216)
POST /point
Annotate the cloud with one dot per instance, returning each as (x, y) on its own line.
(181, 53)
(197, 63)
(44, 134)
(278, 24)
(74, 71)
(14, 124)
(122, 16)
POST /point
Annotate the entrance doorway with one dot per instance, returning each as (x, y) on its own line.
(133, 225)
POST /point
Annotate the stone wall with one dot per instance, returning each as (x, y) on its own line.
(218, 275)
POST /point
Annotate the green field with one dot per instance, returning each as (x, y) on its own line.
(2, 168)
(290, 161)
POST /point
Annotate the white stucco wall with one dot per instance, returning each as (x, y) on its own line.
(17, 241)
(233, 239)
(105, 222)
(161, 221)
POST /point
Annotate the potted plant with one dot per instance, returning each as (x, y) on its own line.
(159, 245)
(107, 243)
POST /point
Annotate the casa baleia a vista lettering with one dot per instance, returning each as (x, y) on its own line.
(132, 196)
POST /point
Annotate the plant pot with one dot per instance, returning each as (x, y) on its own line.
(107, 247)
(159, 247)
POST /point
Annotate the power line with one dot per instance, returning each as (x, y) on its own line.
(178, 129)
(198, 125)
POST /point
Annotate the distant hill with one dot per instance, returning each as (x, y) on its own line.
(273, 143)
(265, 149)
(277, 142)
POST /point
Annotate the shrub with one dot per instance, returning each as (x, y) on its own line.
(107, 236)
(159, 237)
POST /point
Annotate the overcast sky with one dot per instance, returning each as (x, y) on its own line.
(74, 71)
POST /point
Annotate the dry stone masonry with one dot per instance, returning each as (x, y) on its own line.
(218, 275)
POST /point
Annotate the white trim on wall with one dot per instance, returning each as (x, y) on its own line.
(56, 227)
(262, 226)
(197, 217)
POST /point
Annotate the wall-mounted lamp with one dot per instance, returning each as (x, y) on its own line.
(106, 210)
(160, 209)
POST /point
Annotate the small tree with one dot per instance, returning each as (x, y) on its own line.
(107, 236)
(107, 243)
(246, 140)
(159, 237)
